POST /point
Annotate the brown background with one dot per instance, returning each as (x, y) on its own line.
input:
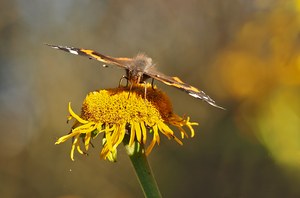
(244, 54)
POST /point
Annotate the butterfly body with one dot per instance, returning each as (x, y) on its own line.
(139, 69)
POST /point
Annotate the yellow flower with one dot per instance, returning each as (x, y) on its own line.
(139, 113)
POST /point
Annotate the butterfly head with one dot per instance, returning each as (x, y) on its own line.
(137, 68)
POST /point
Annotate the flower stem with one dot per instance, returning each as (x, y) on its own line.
(142, 168)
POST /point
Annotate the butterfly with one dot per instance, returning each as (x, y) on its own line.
(138, 70)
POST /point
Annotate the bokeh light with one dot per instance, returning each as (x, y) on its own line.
(244, 54)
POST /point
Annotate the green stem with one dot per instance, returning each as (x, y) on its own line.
(142, 168)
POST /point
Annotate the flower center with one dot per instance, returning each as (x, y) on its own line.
(121, 105)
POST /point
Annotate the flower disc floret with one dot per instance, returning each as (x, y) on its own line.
(139, 112)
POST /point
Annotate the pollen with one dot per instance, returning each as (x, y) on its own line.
(142, 112)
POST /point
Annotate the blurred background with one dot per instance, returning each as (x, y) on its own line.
(244, 54)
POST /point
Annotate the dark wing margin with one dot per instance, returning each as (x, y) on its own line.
(91, 54)
(176, 82)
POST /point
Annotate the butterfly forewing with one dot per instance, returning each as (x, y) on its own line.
(91, 54)
(176, 82)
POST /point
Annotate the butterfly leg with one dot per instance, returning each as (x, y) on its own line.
(131, 84)
(145, 93)
(152, 83)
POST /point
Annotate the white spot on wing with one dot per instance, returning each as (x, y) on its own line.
(213, 104)
(198, 96)
(194, 95)
(72, 51)
(207, 99)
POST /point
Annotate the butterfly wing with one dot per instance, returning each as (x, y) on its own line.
(151, 72)
(176, 82)
(91, 54)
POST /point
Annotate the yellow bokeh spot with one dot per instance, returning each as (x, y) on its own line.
(279, 126)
